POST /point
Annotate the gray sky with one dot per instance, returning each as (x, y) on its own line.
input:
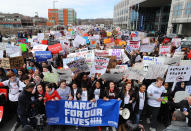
(84, 8)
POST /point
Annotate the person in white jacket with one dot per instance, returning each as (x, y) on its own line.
(154, 93)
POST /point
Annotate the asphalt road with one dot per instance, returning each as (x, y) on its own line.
(11, 121)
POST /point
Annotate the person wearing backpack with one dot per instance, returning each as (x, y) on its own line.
(15, 86)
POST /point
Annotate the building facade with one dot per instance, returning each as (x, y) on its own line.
(10, 20)
(98, 21)
(61, 17)
(180, 17)
(142, 15)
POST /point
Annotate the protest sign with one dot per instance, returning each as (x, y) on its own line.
(23, 47)
(178, 73)
(1, 113)
(39, 47)
(134, 74)
(83, 113)
(155, 71)
(185, 62)
(93, 43)
(12, 63)
(101, 53)
(122, 43)
(68, 60)
(112, 77)
(117, 52)
(81, 50)
(55, 49)
(79, 41)
(107, 41)
(40, 36)
(13, 51)
(188, 89)
(3, 46)
(176, 42)
(78, 66)
(44, 42)
(147, 48)
(164, 49)
(134, 45)
(119, 69)
(147, 60)
(64, 74)
(146, 40)
(125, 59)
(180, 95)
(1, 54)
(100, 64)
(87, 39)
(172, 61)
(50, 77)
(42, 55)
(179, 54)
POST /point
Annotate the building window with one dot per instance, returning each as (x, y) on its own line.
(188, 9)
(177, 10)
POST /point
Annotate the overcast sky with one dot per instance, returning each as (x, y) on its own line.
(84, 8)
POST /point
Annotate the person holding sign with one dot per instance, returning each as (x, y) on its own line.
(51, 94)
(154, 93)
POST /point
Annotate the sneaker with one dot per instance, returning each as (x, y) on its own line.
(152, 129)
(76, 128)
(148, 121)
(107, 128)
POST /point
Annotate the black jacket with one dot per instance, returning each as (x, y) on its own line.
(183, 105)
(25, 108)
(137, 101)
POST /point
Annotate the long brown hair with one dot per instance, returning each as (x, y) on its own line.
(130, 91)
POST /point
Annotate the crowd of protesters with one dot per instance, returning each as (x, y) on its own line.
(28, 93)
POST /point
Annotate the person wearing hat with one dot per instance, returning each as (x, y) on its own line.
(26, 104)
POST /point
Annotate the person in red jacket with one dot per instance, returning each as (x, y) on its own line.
(51, 94)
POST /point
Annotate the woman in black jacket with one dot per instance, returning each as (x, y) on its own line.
(127, 100)
(111, 92)
(98, 91)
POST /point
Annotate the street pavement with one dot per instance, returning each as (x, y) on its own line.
(11, 121)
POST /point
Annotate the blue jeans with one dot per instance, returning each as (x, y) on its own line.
(138, 116)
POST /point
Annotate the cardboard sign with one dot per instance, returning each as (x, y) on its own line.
(55, 49)
(164, 49)
(12, 63)
(134, 45)
(172, 61)
(78, 66)
(1, 113)
(100, 64)
(42, 55)
(39, 47)
(178, 73)
(147, 48)
(79, 41)
(51, 77)
(155, 71)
